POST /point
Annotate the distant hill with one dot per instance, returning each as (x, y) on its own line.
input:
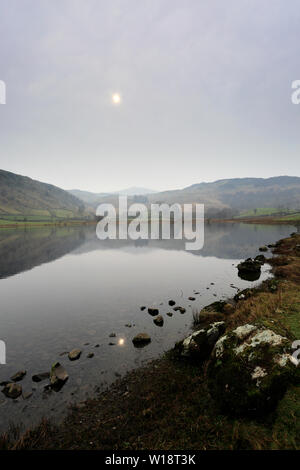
(223, 198)
(233, 196)
(21, 196)
(94, 199)
(88, 197)
(134, 191)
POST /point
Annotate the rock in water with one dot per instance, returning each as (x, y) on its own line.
(153, 311)
(74, 354)
(200, 343)
(41, 376)
(172, 302)
(250, 370)
(260, 258)
(18, 376)
(249, 269)
(170, 314)
(159, 321)
(263, 248)
(141, 340)
(58, 376)
(179, 309)
(12, 390)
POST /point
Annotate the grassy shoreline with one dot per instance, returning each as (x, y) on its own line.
(167, 405)
(62, 223)
(269, 220)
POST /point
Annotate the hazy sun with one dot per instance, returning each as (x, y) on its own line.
(116, 98)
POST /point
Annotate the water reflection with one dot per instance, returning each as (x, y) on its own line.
(21, 250)
(62, 288)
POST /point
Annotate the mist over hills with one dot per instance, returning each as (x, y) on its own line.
(94, 198)
(224, 198)
(22, 196)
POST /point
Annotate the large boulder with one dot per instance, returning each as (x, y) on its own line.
(200, 343)
(249, 269)
(250, 370)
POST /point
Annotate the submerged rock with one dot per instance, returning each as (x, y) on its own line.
(27, 395)
(141, 340)
(58, 376)
(74, 354)
(41, 376)
(170, 314)
(200, 343)
(250, 370)
(159, 321)
(90, 355)
(12, 390)
(18, 376)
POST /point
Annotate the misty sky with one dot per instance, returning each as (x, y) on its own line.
(205, 87)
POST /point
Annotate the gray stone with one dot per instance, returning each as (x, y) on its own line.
(74, 354)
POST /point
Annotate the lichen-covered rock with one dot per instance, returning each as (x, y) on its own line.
(200, 343)
(250, 370)
(244, 294)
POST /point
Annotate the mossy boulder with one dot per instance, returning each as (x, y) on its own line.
(250, 370)
(200, 344)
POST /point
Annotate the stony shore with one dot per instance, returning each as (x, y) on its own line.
(172, 403)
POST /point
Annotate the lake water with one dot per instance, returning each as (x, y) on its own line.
(61, 288)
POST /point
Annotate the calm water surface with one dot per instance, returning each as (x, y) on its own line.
(62, 288)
